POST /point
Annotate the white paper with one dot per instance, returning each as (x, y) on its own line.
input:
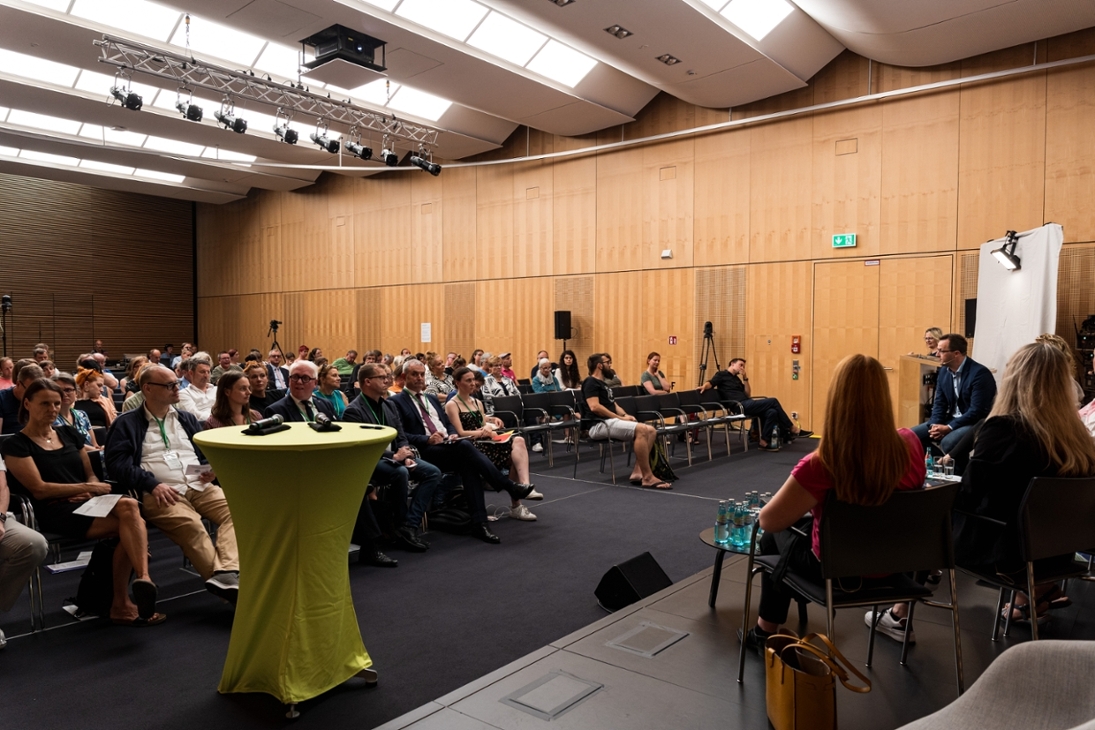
(427, 332)
(195, 470)
(99, 506)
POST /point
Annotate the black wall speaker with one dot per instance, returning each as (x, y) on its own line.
(562, 325)
(971, 316)
(627, 582)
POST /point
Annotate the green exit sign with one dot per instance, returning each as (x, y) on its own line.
(844, 240)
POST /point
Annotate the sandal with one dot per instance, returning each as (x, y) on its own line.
(1056, 598)
(140, 623)
(657, 485)
(144, 595)
(1024, 612)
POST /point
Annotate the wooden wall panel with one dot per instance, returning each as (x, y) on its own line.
(662, 318)
(721, 299)
(514, 315)
(618, 327)
(576, 295)
(620, 201)
(777, 307)
(458, 224)
(668, 181)
(405, 308)
(426, 253)
(494, 221)
(533, 220)
(369, 311)
(460, 318)
(382, 231)
(574, 216)
(847, 170)
(781, 190)
(1001, 173)
(1070, 157)
(722, 184)
(919, 207)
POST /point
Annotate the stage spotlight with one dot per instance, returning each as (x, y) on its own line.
(130, 99)
(431, 167)
(188, 109)
(230, 121)
(359, 150)
(286, 134)
(321, 138)
(1006, 254)
(389, 157)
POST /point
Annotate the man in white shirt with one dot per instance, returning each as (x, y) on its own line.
(198, 398)
(151, 450)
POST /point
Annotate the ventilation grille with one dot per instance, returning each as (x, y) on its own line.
(1075, 293)
(967, 285)
(576, 294)
(720, 300)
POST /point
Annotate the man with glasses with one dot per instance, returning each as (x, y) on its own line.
(276, 372)
(152, 450)
(963, 396)
(732, 384)
(298, 404)
(197, 399)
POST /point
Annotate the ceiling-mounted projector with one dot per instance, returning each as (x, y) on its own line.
(339, 43)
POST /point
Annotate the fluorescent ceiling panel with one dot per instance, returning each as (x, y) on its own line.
(419, 104)
(216, 153)
(112, 136)
(281, 62)
(454, 18)
(507, 39)
(60, 6)
(173, 146)
(106, 167)
(562, 64)
(51, 159)
(256, 121)
(43, 122)
(213, 39)
(3, 113)
(32, 67)
(715, 5)
(94, 82)
(382, 4)
(9, 151)
(757, 17)
(375, 92)
(141, 17)
(157, 175)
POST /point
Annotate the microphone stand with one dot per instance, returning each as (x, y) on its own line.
(5, 307)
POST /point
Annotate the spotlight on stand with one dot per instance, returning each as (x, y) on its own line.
(227, 117)
(355, 148)
(1006, 253)
(188, 108)
(129, 99)
(422, 161)
(321, 138)
(282, 130)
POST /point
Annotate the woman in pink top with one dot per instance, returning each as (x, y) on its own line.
(862, 455)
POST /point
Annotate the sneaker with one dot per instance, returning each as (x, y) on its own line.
(534, 495)
(538, 448)
(891, 626)
(520, 512)
(225, 584)
(559, 441)
(3, 639)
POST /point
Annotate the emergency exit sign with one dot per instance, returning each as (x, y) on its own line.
(844, 240)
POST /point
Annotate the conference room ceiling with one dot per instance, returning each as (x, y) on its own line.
(474, 70)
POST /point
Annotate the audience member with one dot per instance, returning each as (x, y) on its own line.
(862, 456)
(224, 365)
(41, 353)
(931, 339)
(73, 417)
(541, 355)
(614, 381)
(154, 356)
(507, 366)
(314, 354)
(653, 380)
(197, 399)
(497, 383)
(508, 452)
(1061, 344)
(129, 382)
(345, 365)
(732, 384)
(232, 406)
(429, 430)
(89, 398)
(299, 403)
(476, 358)
(1031, 431)
(963, 395)
(185, 351)
(49, 464)
(109, 381)
(152, 450)
(328, 388)
(7, 366)
(24, 372)
(48, 368)
(543, 379)
(568, 375)
(261, 394)
(21, 550)
(98, 347)
(277, 373)
(611, 422)
(438, 382)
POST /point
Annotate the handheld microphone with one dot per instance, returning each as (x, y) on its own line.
(266, 426)
(324, 423)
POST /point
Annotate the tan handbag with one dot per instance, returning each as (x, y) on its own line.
(801, 689)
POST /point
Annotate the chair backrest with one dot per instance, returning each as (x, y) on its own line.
(645, 403)
(625, 391)
(911, 531)
(525, 388)
(505, 405)
(689, 397)
(563, 398)
(669, 401)
(629, 404)
(1055, 517)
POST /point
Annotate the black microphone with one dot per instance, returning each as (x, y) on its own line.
(324, 423)
(265, 426)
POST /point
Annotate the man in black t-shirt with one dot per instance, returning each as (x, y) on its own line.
(611, 421)
(732, 384)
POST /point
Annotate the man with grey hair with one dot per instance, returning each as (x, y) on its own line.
(198, 398)
(298, 404)
(108, 377)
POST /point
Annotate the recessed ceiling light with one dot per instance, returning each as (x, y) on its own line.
(506, 38)
(148, 19)
(39, 69)
(50, 158)
(757, 17)
(561, 63)
(43, 122)
(9, 151)
(619, 31)
(419, 104)
(455, 18)
(173, 146)
(219, 41)
(106, 167)
(669, 60)
(157, 175)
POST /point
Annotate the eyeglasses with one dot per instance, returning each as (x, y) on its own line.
(379, 377)
(173, 385)
(941, 351)
(68, 391)
(929, 338)
(301, 378)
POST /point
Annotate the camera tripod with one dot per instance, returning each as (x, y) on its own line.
(707, 349)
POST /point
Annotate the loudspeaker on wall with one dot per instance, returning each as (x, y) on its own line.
(562, 325)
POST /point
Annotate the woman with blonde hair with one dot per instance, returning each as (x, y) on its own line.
(862, 457)
(1033, 430)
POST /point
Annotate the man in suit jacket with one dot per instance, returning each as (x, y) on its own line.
(429, 430)
(277, 374)
(964, 394)
(298, 404)
(396, 466)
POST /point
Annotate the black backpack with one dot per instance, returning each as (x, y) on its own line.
(96, 591)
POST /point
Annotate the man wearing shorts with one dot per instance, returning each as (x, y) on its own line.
(610, 421)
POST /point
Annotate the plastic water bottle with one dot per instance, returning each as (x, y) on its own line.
(775, 442)
(929, 465)
(737, 535)
(722, 523)
(747, 527)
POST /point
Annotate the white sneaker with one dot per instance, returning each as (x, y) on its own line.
(534, 495)
(890, 626)
(538, 447)
(520, 512)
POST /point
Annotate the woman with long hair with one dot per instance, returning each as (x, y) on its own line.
(1033, 430)
(70, 416)
(568, 374)
(129, 382)
(862, 456)
(653, 380)
(232, 405)
(468, 416)
(49, 464)
(328, 388)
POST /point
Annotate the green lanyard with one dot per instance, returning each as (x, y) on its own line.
(378, 418)
(477, 412)
(163, 432)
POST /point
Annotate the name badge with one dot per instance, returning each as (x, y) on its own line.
(171, 458)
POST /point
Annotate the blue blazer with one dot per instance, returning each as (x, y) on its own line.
(288, 410)
(975, 395)
(415, 429)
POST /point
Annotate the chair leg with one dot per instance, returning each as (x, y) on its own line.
(958, 635)
(745, 618)
(1007, 619)
(905, 639)
(1033, 602)
(829, 617)
(870, 637)
(803, 617)
(999, 612)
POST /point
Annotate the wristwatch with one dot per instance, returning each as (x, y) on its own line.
(4, 517)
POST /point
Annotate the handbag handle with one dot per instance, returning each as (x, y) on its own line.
(836, 661)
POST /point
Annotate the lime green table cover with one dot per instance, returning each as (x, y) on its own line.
(294, 497)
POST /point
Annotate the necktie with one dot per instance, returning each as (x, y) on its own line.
(426, 420)
(311, 414)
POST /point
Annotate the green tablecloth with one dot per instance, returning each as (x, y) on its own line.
(294, 496)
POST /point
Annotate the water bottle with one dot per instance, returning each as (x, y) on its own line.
(929, 464)
(737, 535)
(722, 527)
(747, 527)
(774, 443)
(754, 500)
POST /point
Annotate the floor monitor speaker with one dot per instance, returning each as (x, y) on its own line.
(627, 582)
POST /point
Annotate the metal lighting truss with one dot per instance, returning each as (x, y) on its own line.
(192, 73)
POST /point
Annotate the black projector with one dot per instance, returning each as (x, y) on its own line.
(341, 43)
